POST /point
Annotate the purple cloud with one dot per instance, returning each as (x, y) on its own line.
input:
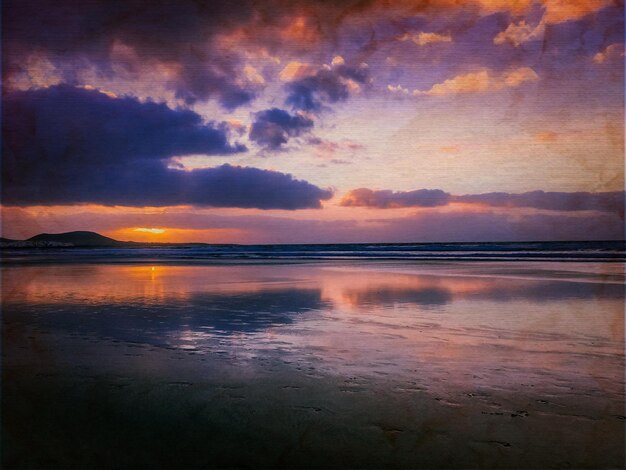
(328, 85)
(74, 36)
(65, 145)
(385, 199)
(555, 201)
(273, 127)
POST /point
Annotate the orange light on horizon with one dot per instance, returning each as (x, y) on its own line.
(177, 235)
(150, 230)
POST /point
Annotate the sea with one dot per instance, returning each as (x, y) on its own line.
(601, 251)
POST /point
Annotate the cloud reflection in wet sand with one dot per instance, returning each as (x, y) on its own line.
(155, 303)
(465, 341)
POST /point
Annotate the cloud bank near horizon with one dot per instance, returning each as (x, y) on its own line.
(429, 226)
(612, 201)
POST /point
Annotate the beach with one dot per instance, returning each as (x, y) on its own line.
(336, 363)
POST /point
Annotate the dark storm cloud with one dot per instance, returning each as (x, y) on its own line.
(273, 127)
(70, 145)
(556, 201)
(385, 199)
(328, 85)
(202, 43)
(76, 34)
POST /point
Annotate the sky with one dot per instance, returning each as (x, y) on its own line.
(314, 121)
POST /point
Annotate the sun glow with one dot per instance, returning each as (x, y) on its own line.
(178, 235)
(150, 230)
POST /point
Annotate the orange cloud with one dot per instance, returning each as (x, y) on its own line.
(519, 33)
(516, 77)
(559, 11)
(259, 39)
(546, 136)
(485, 7)
(297, 70)
(422, 38)
(253, 76)
(451, 149)
(481, 81)
(514, 6)
(467, 83)
(110, 94)
(612, 52)
(555, 11)
(301, 30)
(36, 71)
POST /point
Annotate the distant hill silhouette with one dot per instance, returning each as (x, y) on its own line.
(79, 238)
(67, 239)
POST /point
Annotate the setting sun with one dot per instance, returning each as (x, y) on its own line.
(150, 230)
(177, 235)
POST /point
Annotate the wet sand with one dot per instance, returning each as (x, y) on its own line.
(352, 365)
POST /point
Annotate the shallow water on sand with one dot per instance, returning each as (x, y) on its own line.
(336, 364)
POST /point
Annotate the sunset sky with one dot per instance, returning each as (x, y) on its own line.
(314, 122)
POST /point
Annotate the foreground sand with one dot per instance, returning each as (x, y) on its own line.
(413, 371)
